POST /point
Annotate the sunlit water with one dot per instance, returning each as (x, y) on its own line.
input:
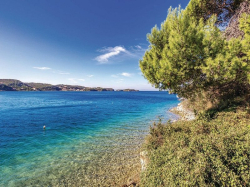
(91, 138)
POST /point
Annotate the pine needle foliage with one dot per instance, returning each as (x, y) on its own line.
(190, 56)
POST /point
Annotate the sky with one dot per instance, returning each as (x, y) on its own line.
(79, 42)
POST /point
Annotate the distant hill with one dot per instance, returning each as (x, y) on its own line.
(38, 85)
(3, 87)
(10, 81)
(17, 85)
(128, 90)
(43, 87)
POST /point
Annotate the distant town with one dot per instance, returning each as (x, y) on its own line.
(17, 85)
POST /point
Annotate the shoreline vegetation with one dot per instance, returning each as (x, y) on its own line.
(17, 85)
(207, 149)
(182, 113)
(201, 53)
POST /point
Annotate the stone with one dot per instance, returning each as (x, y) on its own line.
(144, 160)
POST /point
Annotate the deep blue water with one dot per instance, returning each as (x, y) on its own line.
(79, 125)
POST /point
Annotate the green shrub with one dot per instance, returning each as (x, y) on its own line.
(214, 152)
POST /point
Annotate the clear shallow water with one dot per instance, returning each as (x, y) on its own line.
(88, 134)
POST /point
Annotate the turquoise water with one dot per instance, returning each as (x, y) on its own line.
(88, 134)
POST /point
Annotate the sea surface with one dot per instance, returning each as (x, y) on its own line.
(91, 138)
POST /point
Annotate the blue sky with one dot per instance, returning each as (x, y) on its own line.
(79, 42)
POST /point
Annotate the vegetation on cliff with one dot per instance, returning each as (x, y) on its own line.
(193, 56)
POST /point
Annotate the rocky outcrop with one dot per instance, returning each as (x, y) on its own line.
(186, 114)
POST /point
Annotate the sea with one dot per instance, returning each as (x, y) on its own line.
(90, 139)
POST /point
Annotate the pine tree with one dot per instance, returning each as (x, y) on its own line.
(190, 56)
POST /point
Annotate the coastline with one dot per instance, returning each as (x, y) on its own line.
(183, 112)
(180, 112)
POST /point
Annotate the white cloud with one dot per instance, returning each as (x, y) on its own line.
(110, 52)
(138, 46)
(126, 74)
(81, 79)
(72, 80)
(90, 76)
(42, 68)
(136, 51)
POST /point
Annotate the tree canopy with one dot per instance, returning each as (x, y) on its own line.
(189, 55)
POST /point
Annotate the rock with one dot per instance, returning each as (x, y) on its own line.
(186, 114)
(144, 160)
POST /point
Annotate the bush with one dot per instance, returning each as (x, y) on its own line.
(200, 152)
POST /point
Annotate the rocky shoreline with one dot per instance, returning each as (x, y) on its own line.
(183, 112)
